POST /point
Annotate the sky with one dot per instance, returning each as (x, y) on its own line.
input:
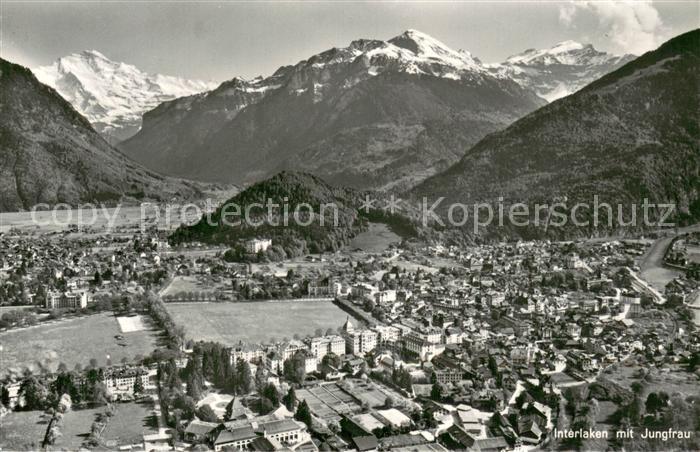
(217, 40)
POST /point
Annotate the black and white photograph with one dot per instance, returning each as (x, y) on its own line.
(342, 225)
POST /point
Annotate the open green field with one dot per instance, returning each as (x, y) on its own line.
(259, 321)
(128, 425)
(375, 240)
(49, 221)
(72, 341)
(186, 284)
(673, 380)
(75, 427)
(23, 430)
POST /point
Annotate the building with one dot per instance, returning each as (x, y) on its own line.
(257, 245)
(289, 349)
(634, 301)
(432, 335)
(453, 335)
(635, 308)
(251, 353)
(629, 297)
(274, 362)
(287, 432)
(387, 335)
(122, 380)
(444, 376)
(235, 438)
(579, 360)
(420, 346)
(321, 346)
(573, 261)
(385, 297)
(66, 300)
(573, 330)
(324, 287)
(522, 355)
(360, 342)
(310, 361)
(362, 290)
(198, 431)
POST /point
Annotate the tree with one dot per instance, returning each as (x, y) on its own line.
(331, 360)
(655, 402)
(207, 414)
(265, 406)
(636, 387)
(34, 393)
(138, 386)
(429, 419)
(260, 377)
(295, 368)
(436, 392)
(229, 409)
(290, 399)
(388, 402)
(244, 378)
(5, 397)
(270, 392)
(303, 413)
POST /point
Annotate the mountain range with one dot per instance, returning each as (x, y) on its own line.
(113, 96)
(49, 153)
(559, 70)
(383, 114)
(397, 114)
(379, 114)
(630, 135)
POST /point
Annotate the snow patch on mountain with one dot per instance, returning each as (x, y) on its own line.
(560, 70)
(113, 95)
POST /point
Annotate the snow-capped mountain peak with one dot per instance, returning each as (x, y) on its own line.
(565, 52)
(411, 52)
(113, 95)
(421, 43)
(567, 46)
(559, 70)
(425, 46)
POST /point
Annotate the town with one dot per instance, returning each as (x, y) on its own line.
(386, 344)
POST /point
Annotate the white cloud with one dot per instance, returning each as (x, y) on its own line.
(634, 26)
(567, 11)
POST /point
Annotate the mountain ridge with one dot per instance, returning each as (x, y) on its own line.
(441, 102)
(560, 70)
(593, 142)
(112, 95)
(51, 154)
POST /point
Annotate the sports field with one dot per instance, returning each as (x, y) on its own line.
(73, 341)
(255, 322)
